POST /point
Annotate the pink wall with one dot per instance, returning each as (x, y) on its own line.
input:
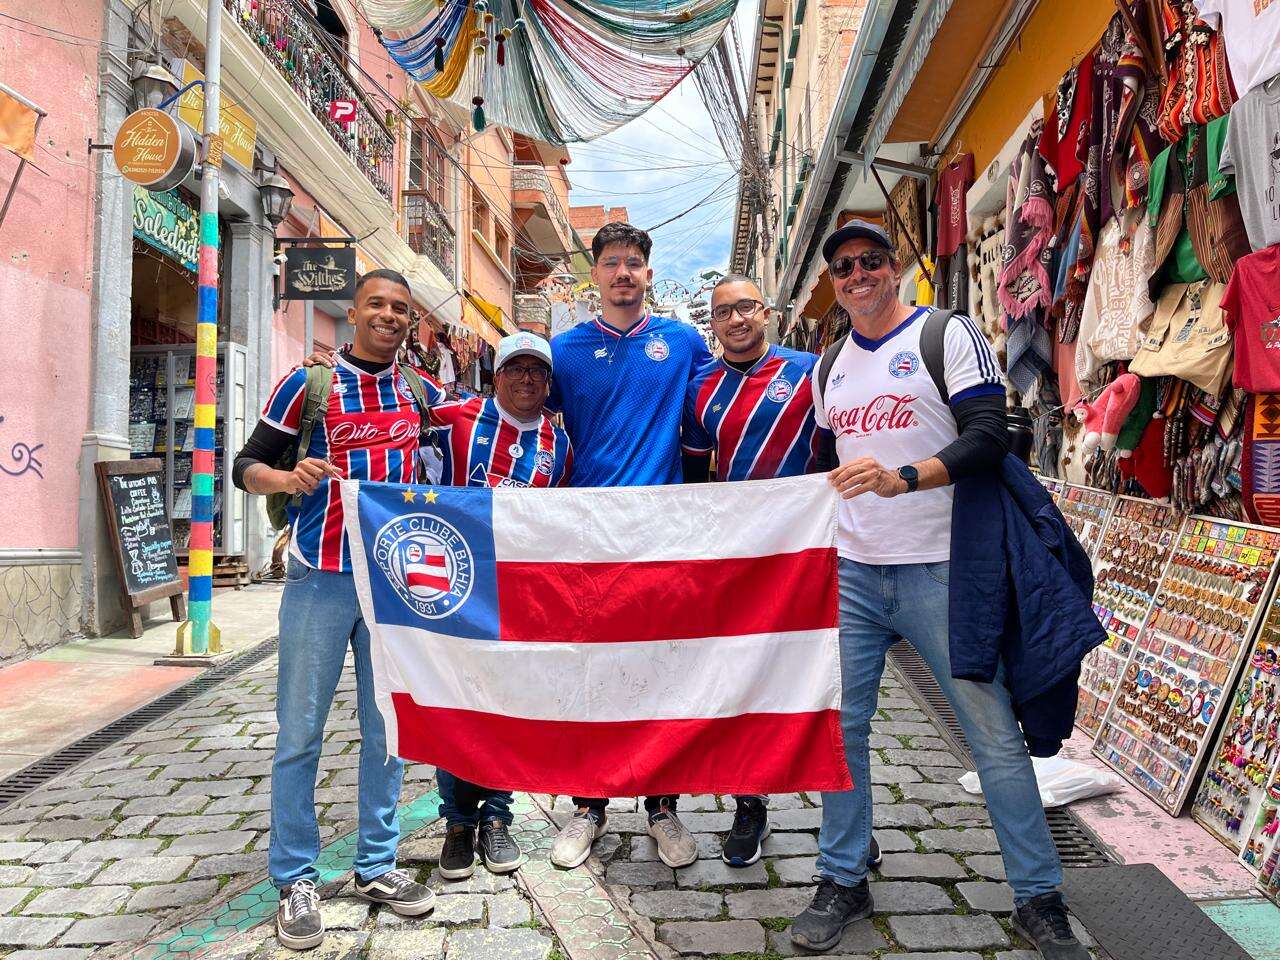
(46, 243)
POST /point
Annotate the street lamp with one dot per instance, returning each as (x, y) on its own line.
(152, 84)
(277, 197)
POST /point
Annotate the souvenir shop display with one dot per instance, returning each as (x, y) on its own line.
(1239, 798)
(1181, 674)
(1053, 485)
(1130, 561)
(1086, 510)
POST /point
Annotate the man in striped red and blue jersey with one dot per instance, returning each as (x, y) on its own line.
(501, 441)
(370, 430)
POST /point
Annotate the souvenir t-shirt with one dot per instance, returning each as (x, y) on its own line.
(1252, 308)
(1116, 304)
(1254, 137)
(759, 423)
(1187, 337)
(482, 445)
(1251, 31)
(622, 396)
(370, 431)
(953, 185)
(881, 402)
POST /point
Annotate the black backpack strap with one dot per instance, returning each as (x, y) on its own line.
(824, 365)
(933, 351)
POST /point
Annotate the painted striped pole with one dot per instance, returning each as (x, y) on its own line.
(198, 637)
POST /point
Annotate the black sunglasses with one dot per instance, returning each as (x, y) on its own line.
(871, 260)
(745, 308)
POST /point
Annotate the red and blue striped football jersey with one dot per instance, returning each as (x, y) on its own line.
(370, 431)
(759, 423)
(482, 446)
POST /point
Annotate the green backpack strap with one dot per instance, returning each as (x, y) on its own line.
(418, 389)
(314, 404)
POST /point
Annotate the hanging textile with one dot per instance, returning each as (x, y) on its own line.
(1197, 86)
(560, 71)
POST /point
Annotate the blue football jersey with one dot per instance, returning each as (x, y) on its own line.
(622, 396)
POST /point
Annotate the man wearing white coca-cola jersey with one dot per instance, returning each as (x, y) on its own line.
(899, 444)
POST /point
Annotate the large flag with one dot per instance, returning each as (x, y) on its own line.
(606, 642)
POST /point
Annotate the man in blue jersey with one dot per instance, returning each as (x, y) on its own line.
(620, 383)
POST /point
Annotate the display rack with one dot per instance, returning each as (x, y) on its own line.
(1163, 715)
(1130, 560)
(1238, 798)
(1086, 510)
(162, 424)
(1053, 485)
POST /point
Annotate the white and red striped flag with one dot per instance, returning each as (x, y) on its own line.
(607, 642)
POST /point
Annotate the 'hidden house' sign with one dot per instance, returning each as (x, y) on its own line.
(320, 273)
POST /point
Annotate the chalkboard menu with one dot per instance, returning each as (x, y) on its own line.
(133, 499)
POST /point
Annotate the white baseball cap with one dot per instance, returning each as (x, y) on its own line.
(522, 345)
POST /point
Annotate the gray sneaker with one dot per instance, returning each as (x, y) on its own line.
(298, 922)
(676, 846)
(572, 845)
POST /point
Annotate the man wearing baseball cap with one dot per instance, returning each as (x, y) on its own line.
(914, 406)
(504, 440)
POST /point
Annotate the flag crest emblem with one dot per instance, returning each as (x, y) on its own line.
(427, 562)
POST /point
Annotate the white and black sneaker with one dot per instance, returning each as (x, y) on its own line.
(1043, 920)
(399, 891)
(750, 828)
(458, 858)
(874, 857)
(498, 848)
(299, 925)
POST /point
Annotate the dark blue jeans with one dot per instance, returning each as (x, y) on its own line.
(464, 802)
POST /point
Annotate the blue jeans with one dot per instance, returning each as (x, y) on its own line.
(463, 802)
(319, 618)
(879, 604)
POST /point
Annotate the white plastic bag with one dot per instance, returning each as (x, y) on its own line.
(1061, 781)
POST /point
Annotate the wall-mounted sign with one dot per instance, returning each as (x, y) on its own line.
(320, 273)
(343, 112)
(163, 221)
(152, 150)
(238, 130)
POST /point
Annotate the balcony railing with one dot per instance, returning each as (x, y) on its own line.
(531, 176)
(302, 53)
(429, 233)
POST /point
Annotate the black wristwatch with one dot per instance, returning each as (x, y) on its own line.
(911, 475)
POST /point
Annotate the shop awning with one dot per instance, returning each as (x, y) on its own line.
(478, 323)
(493, 313)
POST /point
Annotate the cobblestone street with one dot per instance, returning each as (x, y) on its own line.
(156, 848)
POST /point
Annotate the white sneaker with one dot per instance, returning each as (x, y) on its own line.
(572, 845)
(676, 846)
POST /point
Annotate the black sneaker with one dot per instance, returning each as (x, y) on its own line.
(299, 925)
(1043, 921)
(874, 857)
(499, 849)
(458, 859)
(399, 891)
(834, 907)
(750, 827)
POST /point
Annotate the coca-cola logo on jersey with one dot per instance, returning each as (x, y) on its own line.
(364, 430)
(886, 412)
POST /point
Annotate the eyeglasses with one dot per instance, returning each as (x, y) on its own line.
(535, 374)
(871, 260)
(746, 309)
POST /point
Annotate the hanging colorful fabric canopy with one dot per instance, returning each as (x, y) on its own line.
(557, 70)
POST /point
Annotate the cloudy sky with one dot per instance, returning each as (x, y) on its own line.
(664, 163)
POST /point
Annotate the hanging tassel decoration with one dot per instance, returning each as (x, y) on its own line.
(477, 114)
(439, 56)
(502, 49)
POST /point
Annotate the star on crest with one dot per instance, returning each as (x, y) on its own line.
(408, 496)
(431, 496)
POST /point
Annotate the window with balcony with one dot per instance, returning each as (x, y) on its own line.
(427, 162)
(426, 197)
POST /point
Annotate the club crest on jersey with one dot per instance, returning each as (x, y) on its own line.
(656, 349)
(779, 389)
(405, 390)
(427, 562)
(904, 364)
(543, 461)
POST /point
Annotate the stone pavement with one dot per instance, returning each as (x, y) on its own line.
(156, 849)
